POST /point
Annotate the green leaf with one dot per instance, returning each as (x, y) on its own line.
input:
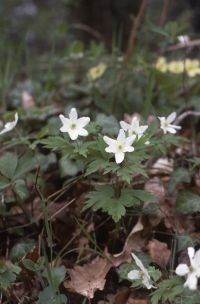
(184, 241)
(25, 165)
(8, 275)
(21, 189)
(8, 164)
(20, 249)
(180, 175)
(4, 183)
(34, 266)
(168, 290)
(55, 276)
(49, 296)
(188, 202)
(56, 143)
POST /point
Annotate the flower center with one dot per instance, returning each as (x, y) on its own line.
(73, 126)
(165, 124)
(120, 147)
(191, 269)
(141, 275)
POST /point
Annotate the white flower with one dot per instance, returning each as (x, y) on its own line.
(134, 127)
(119, 146)
(192, 271)
(73, 125)
(9, 126)
(166, 124)
(141, 274)
(183, 39)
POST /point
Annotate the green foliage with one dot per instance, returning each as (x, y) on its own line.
(180, 175)
(188, 202)
(109, 200)
(48, 295)
(55, 276)
(168, 290)
(8, 275)
(34, 266)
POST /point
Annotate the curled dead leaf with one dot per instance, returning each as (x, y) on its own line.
(136, 240)
(88, 278)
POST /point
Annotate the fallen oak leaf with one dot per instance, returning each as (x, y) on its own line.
(88, 278)
(159, 252)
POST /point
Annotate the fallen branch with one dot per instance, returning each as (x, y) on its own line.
(181, 117)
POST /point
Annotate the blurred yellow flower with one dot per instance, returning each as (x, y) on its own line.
(192, 67)
(97, 71)
(176, 67)
(161, 64)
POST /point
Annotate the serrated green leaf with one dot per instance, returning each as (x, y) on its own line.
(188, 202)
(9, 276)
(21, 189)
(49, 296)
(8, 164)
(4, 183)
(55, 276)
(25, 165)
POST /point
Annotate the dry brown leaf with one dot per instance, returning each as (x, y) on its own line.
(88, 278)
(159, 252)
(136, 240)
(156, 187)
(28, 101)
(120, 297)
(163, 165)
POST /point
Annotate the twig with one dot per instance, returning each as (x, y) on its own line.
(181, 117)
(164, 13)
(87, 29)
(131, 43)
(180, 46)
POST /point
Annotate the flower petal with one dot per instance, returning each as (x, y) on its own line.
(182, 269)
(147, 283)
(171, 130)
(171, 117)
(73, 114)
(124, 125)
(121, 136)
(191, 282)
(130, 140)
(9, 126)
(128, 149)
(191, 253)
(119, 157)
(83, 121)
(73, 134)
(82, 132)
(134, 275)
(138, 262)
(111, 142)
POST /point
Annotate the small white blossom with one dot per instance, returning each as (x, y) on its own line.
(183, 39)
(73, 125)
(9, 126)
(193, 271)
(166, 123)
(134, 127)
(119, 146)
(141, 274)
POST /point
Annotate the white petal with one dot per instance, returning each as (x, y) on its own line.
(128, 149)
(138, 262)
(175, 126)
(171, 130)
(109, 141)
(191, 253)
(83, 121)
(73, 114)
(134, 275)
(121, 136)
(82, 132)
(142, 129)
(119, 157)
(73, 134)
(10, 125)
(147, 283)
(64, 120)
(64, 129)
(109, 149)
(162, 119)
(130, 140)
(191, 282)
(171, 117)
(125, 126)
(197, 259)
(182, 269)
